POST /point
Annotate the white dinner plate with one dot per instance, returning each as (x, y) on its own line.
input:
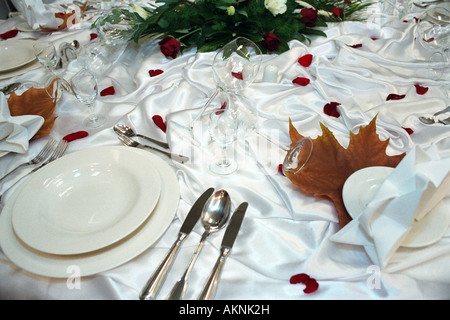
(15, 53)
(107, 258)
(361, 187)
(18, 71)
(86, 200)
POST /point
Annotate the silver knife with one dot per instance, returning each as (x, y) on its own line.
(153, 284)
(227, 243)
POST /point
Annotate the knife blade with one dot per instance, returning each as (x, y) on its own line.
(227, 243)
(153, 284)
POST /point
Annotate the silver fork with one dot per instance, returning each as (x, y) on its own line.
(59, 151)
(131, 143)
(41, 157)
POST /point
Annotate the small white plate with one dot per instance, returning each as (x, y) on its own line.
(107, 258)
(15, 53)
(361, 187)
(86, 200)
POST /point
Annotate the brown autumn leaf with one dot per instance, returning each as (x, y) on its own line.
(35, 101)
(330, 164)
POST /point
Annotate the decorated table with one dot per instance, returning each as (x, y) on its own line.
(366, 217)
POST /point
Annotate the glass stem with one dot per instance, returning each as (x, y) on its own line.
(93, 116)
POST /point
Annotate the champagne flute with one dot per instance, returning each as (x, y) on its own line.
(85, 88)
(223, 129)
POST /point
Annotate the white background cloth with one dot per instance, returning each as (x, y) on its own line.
(285, 231)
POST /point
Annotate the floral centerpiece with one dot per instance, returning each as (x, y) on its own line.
(210, 24)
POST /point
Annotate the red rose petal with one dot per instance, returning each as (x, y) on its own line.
(75, 136)
(409, 130)
(305, 60)
(9, 34)
(237, 75)
(108, 91)
(280, 170)
(331, 109)
(394, 96)
(311, 286)
(420, 89)
(155, 72)
(301, 81)
(357, 45)
(158, 120)
(93, 36)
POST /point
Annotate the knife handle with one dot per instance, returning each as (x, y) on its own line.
(159, 143)
(177, 157)
(211, 284)
(153, 284)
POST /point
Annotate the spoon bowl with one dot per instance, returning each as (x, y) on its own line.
(214, 216)
(124, 130)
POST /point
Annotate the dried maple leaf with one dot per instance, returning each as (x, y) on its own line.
(36, 102)
(330, 164)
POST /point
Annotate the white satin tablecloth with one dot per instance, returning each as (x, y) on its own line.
(285, 232)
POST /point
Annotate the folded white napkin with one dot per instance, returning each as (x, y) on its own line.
(414, 188)
(36, 13)
(16, 132)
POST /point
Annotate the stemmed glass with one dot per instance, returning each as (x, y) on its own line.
(85, 88)
(45, 53)
(235, 67)
(223, 129)
(297, 156)
(434, 36)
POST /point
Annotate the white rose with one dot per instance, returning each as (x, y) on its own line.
(276, 6)
(231, 10)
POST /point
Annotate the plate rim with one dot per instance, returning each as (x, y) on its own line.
(103, 260)
(29, 43)
(73, 243)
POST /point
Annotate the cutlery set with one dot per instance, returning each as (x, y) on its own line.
(213, 209)
(125, 133)
(433, 119)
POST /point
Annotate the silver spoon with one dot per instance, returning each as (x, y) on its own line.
(125, 130)
(432, 119)
(214, 216)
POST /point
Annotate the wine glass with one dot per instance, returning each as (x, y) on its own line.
(235, 67)
(45, 53)
(223, 128)
(297, 156)
(85, 88)
(434, 36)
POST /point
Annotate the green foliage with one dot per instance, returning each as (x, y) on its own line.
(208, 25)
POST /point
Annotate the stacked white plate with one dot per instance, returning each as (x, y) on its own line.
(17, 57)
(94, 209)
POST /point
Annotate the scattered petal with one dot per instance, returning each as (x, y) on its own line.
(311, 284)
(237, 75)
(75, 136)
(280, 168)
(357, 45)
(409, 130)
(108, 91)
(420, 90)
(394, 96)
(331, 109)
(93, 36)
(305, 60)
(301, 81)
(158, 120)
(9, 34)
(155, 72)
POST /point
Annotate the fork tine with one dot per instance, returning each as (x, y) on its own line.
(45, 151)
